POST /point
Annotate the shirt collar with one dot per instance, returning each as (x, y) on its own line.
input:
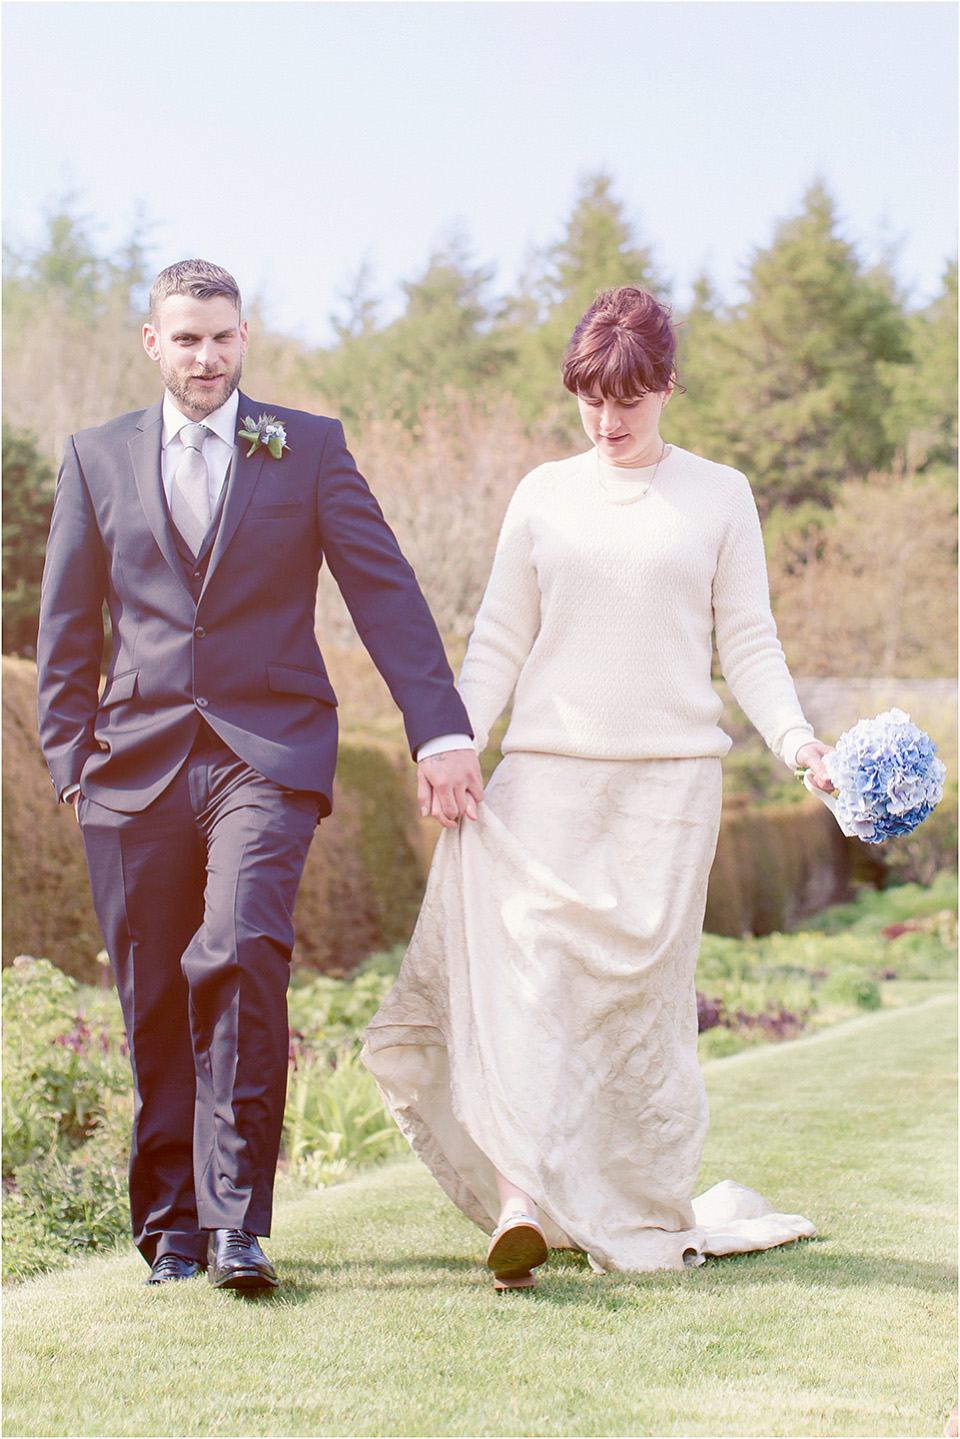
(223, 422)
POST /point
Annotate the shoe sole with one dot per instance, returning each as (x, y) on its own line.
(174, 1278)
(516, 1251)
(245, 1279)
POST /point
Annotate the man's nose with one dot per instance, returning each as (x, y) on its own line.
(207, 354)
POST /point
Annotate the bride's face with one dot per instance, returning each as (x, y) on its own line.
(625, 432)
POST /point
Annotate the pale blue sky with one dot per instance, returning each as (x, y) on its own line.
(293, 139)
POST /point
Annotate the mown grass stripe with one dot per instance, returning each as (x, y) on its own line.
(386, 1323)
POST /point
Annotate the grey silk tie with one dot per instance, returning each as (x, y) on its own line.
(190, 493)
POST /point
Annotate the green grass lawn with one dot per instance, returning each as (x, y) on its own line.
(386, 1322)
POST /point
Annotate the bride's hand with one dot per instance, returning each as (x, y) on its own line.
(810, 756)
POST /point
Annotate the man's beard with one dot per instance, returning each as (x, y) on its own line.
(203, 401)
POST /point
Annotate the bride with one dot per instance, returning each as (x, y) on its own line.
(539, 1049)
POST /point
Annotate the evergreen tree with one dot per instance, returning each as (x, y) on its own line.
(363, 304)
(347, 375)
(443, 344)
(28, 484)
(597, 251)
(445, 339)
(67, 270)
(71, 334)
(923, 419)
(809, 382)
(696, 417)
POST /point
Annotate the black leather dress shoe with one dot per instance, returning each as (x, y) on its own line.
(236, 1261)
(172, 1266)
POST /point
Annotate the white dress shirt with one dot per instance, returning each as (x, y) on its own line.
(218, 448)
(444, 742)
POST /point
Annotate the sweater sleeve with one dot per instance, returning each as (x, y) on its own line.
(751, 656)
(507, 622)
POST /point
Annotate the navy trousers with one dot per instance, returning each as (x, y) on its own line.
(195, 898)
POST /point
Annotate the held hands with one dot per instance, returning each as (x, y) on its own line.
(810, 756)
(449, 784)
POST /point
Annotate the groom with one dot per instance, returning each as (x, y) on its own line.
(202, 769)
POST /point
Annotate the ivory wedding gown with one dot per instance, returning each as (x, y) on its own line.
(544, 1022)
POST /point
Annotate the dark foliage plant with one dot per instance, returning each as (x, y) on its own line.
(66, 1118)
(62, 1065)
(28, 482)
(59, 1210)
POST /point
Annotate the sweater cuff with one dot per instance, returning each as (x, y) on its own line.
(792, 741)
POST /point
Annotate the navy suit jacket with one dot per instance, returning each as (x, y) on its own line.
(245, 657)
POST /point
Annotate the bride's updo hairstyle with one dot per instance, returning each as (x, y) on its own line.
(624, 346)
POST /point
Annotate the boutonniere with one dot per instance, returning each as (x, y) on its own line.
(267, 430)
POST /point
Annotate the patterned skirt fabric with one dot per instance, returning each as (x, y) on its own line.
(544, 1022)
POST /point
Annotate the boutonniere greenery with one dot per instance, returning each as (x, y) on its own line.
(268, 431)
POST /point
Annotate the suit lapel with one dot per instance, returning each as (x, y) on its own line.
(144, 449)
(241, 482)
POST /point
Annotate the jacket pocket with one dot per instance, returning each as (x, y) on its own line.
(272, 512)
(285, 679)
(121, 687)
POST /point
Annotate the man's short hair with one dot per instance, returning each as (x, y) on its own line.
(198, 278)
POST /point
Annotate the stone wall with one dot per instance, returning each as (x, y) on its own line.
(833, 705)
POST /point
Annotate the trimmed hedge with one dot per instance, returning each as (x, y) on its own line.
(365, 872)
(774, 865)
(46, 902)
(361, 888)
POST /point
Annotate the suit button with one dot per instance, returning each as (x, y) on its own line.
(201, 702)
(199, 632)
(197, 575)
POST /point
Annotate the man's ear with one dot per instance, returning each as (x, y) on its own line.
(151, 343)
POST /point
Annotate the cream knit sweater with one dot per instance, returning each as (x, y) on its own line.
(598, 615)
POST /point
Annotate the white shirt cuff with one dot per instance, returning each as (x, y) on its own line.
(443, 742)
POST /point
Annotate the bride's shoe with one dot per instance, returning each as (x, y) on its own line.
(517, 1246)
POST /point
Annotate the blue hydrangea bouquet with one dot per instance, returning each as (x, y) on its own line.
(886, 777)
